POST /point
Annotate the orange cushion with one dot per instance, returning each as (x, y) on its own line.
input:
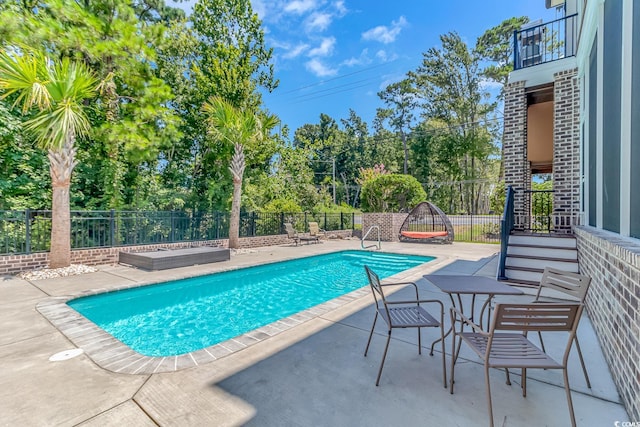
(423, 234)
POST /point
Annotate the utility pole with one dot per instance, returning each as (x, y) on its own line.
(333, 162)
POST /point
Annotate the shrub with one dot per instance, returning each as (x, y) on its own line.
(391, 193)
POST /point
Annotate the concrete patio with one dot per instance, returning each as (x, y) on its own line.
(313, 374)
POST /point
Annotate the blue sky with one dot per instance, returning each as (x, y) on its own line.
(334, 55)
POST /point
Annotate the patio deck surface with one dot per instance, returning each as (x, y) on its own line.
(313, 374)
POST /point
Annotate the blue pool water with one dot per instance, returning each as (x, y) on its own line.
(181, 316)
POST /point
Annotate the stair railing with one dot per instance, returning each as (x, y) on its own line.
(379, 245)
(506, 227)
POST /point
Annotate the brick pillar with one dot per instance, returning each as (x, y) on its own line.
(566, 150)
(389, 223)
(516, 167)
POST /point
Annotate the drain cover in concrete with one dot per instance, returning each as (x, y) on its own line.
(66, 355)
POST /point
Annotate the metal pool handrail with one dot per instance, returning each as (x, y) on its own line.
(379, 245)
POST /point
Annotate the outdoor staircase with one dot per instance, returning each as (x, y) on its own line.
(528, 255)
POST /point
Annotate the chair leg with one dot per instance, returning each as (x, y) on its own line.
(371, 334)
(568, 392)
(419, 342)
(524, 382)
(584, 367)
(384, 356)
(486, 379)
(506, 370)
(444, 361)
(454, 357)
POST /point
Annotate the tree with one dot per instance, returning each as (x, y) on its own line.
(449, 82)
(117, 40)
(496, 45)
(401, 99)
(391, 193)
(239, 128)
(57, 90)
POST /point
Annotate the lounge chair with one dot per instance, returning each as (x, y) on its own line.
(297, 238)
(291, 232)
(403, 314)
(315, 230)
(511, 349)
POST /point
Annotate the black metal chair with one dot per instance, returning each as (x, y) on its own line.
(403, 314)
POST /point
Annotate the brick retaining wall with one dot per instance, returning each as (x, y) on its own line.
(12, 264)
(613, 300)
(389, 224)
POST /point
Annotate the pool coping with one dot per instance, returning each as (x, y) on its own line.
(113, 355)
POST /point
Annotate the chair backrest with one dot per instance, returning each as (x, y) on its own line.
(314, 228)
(572, 284)
(536, 317)
(291, 232)
(376, 287)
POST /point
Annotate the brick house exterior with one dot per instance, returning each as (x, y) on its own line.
(596, 152)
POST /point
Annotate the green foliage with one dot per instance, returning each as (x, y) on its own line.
(282, 205)
(367, 174)
(150, 147)
(496, 45)
(391, 193)
(24, 176)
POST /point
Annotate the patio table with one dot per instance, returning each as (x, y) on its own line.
(470, 285)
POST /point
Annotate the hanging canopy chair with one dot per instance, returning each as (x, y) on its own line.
(426, 223)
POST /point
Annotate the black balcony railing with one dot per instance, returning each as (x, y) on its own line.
(546, 42)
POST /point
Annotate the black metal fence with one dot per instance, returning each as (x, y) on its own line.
(28, 231)
(476, 228)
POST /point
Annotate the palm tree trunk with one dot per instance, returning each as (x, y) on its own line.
(234, 221)
(61, 164)
(237, 170)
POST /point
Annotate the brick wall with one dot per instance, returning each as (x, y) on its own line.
(11, 264)
(389, 224)
(613, 263)
(566, 150)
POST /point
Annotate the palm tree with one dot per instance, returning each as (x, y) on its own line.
(57, 91)
(240, 128)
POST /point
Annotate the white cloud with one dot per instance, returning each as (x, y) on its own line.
(487, 84)
(300, 6)
(340, 7)
(383, 56)
(318, 21)
(319, 69)
(384, 34)
(325, 48)
(363, 59)
(296, 51)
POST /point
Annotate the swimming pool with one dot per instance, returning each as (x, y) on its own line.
(182, 316)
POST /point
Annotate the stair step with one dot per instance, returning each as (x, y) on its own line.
(519, 273)
(527, 283)
(554, 241)
(542, 252)
(531, 245)
(546, 258)
(541, 262)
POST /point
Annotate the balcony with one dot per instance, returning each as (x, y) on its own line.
(542, 43)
